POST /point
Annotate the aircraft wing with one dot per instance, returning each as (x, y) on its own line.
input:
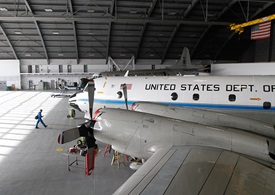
(199, 170)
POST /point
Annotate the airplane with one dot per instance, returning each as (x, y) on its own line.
(182, 67)
(197, 134)
(245, 96)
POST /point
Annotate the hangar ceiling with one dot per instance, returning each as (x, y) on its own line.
(146, 29)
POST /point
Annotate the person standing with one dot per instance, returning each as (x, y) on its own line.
(39, 119)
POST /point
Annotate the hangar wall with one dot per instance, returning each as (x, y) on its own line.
(10, 73)
(41, 71)
(18, 72)
(262, 50)
(35, 71)
(263, 68)
(68, 72)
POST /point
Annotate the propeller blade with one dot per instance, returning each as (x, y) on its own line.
(68, 135)
(124, 88)
(86, 130)
(91, 91)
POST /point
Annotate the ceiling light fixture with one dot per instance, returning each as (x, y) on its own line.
(133, 11)
(55, 32)
(3, 9)
(172, 13)
(18, 32)
(48, 10)
(90, 10)
(60, 54)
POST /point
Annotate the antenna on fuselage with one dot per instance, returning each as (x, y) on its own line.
(126, 73)
(124, 88)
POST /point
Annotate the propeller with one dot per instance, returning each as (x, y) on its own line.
(83, 130)
(124, 88)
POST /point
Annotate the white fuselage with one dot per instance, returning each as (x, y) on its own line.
(140, 134)
(249, 96)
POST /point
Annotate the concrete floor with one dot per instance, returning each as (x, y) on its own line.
(31, 160)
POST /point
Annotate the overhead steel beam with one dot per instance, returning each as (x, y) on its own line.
(199, 40)
(140, 39)
(109, 40)
(190, 7)
(265, 6)
(208, 27)
(70, 5)
(152, 6)
(226, 8)
(28, 6)
(7, 38)
(39, 32)
(148, 14)
(109, 19)
(112, 8)
(169, 42)
(42, 41)
(223, 45)
(76, 45)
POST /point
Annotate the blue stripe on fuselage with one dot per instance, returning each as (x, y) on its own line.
(208, 106)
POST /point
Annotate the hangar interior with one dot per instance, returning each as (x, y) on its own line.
(77, 38)
(47, 42)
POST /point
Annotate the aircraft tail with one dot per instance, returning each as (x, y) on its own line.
(185, 60)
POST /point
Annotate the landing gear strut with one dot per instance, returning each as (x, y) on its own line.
(71, 114)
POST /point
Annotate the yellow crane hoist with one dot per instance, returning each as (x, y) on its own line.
(239, 28)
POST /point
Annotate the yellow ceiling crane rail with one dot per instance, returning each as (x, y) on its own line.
(239, 28)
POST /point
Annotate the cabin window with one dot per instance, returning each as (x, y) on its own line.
(196, 96)
(232, 98)
(266, 105)
(174, 96)
(119, 94)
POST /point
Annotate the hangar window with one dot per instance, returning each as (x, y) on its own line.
(29, 68)
(60, 68)
(196, 96)
(266, 105)
(37, 69)
(85, 68)
(119, 94)
(232, 98)
(174, 96)
(69, 68)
